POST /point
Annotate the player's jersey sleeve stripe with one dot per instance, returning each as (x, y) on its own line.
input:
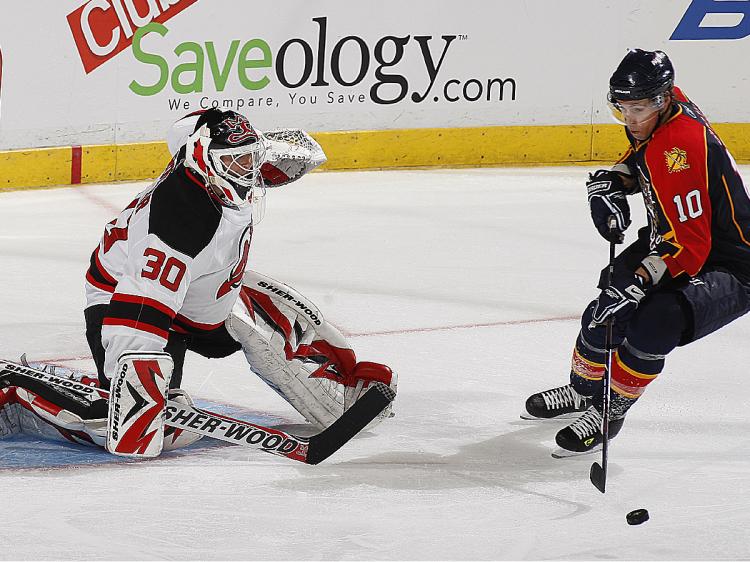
(185, 325)
(145, 302)
(136, 325)
(731, 207)
(98, 276)
(100, 268)
(97, 283)
(139, 313)
(628, 153)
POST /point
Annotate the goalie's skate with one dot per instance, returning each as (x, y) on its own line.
(559, 403)
(584, 435)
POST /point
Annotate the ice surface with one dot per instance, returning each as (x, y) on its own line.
(468, 283)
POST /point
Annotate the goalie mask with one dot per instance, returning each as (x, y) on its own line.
(227, 153)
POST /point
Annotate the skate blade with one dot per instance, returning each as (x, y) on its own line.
(571, 416)
(560, 453)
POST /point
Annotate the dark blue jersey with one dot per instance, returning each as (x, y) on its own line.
(697, 204)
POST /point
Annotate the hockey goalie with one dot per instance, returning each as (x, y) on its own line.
(170, 274)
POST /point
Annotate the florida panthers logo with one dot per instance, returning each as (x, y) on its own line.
(676, 160)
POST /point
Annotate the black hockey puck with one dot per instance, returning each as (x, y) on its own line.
(637, 516)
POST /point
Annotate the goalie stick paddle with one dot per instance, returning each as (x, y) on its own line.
(598, 472)
(87, 400)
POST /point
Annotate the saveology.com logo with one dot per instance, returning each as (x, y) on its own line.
(318, 65)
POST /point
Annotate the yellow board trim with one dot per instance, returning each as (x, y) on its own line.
(360, 150)
(35, 167)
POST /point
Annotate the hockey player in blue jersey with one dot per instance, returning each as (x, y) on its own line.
(688, 273)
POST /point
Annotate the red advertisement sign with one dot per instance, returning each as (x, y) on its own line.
(103, 28)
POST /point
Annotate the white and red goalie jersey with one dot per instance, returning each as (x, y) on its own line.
(174, 258)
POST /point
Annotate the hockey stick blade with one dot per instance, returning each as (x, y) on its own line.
(354, 420)
(81, 399)
(598, 477)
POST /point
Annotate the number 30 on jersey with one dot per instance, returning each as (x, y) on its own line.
(168, 271)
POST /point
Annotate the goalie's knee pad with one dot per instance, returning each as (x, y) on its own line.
(291, 347)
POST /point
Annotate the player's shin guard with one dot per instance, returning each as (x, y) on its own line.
(632, 371)
(137, 399)
(586, 368)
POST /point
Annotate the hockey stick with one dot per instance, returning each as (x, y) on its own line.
(80, 398)
(598, 472)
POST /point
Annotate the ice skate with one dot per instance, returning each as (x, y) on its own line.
(584, 435)
(559, 403)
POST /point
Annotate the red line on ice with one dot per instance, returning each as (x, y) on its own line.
(394, 332)
(459, 327)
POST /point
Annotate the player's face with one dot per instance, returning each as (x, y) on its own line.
(640, 116)
(239, 165)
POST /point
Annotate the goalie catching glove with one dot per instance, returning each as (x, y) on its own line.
(306, 360)
(290, 154)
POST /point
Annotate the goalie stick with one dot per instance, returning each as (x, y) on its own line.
(80, 398)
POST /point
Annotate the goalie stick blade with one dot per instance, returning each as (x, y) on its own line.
(598, 477)
(354, 420)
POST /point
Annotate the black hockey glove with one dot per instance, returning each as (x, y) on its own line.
(606, 192)
(619, 300)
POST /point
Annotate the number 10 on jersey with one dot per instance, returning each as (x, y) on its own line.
(692, 204)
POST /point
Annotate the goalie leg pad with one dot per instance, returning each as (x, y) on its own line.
(32, 411)
(291, 347)
(66, 414)
(40, 416)
(137, 400)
